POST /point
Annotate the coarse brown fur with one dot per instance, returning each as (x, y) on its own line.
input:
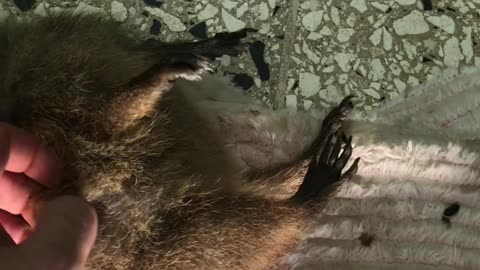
(166, 193)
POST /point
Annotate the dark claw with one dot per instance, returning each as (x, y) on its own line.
(343, 159)
(327, 149)
(339, 112)
(336, 150)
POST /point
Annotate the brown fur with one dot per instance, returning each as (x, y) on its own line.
(166, 194)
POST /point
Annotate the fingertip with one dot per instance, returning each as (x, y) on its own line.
(25, 153)
(16, 228)
(68, 227)
(45, 167)
(76, 211)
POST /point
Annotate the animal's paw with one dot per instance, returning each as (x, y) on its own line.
(199, 58)
(332, 124)
(324, 173)
(325, 170)
(335, 117)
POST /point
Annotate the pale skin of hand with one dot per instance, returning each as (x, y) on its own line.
(63, 232)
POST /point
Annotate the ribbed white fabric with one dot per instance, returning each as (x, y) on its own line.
(418, 157)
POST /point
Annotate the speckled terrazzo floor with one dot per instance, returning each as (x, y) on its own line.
(312, 52)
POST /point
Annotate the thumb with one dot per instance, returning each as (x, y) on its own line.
(64, 236)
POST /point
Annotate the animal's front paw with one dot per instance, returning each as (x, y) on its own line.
(324, 173)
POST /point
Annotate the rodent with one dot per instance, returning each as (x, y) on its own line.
(184, 171)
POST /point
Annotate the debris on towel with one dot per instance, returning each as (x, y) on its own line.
(366, 239)
(449, 212)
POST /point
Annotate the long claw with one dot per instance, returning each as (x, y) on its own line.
(327, 149)
(336, 150)
(343, 159)
(348, 175)
(321, 141)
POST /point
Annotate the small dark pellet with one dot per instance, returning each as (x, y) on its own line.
(366, 239)
(451, 210)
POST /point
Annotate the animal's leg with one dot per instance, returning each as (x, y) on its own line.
(168, 62)
(262, 140)
(276, 146)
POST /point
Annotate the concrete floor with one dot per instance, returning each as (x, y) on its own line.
(312, 52)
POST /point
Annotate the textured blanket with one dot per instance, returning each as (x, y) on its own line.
(415, 203)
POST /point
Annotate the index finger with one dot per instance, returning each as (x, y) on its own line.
(26, 154)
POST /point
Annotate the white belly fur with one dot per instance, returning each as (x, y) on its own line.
(255, 136)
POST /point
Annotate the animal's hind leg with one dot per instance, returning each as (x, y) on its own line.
(168, 62)
(265, 140)
(274, 145)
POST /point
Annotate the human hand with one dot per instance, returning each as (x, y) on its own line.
(65, 230)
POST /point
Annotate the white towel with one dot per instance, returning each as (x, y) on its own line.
(419, 156)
